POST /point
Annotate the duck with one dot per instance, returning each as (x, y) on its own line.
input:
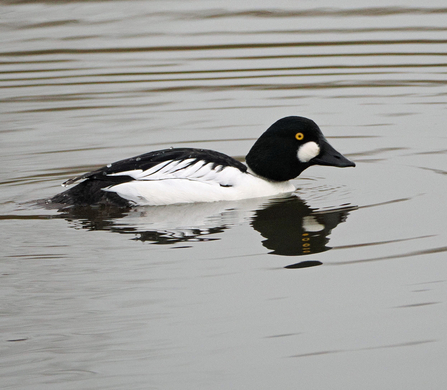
(191, 175)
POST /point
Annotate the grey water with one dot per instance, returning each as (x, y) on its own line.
(342, 285)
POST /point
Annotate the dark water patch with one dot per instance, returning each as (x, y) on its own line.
(424, 252)
(413, 305)
(17, 340)
(304, 264)
(282, 335)
(398, 345)
(366, 244)
(24, 217)
(276, 13)
(342, 84)
(374, 152)
(26, 61)
(431, 282)
(372, 84)
(143, 80)
(315, 31)
(437, 171)
(25, 71)
(441, 151)
(319, 353)
(54, 23)
(71, 108)
(311, 86)
(322, 12)
(39, 256)
(243, 71)
(325, 55)
(244, 46)
(385, 203)
(51, 98)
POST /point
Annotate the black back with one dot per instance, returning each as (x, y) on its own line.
(90, 191)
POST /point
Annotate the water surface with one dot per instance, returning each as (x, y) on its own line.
(342, 285)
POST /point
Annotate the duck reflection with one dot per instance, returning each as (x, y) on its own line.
(290, 227)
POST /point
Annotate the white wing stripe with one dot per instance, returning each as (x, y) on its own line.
(185, 169)
(157, 168)
(182, 164)
(134, 173)
(191, 171)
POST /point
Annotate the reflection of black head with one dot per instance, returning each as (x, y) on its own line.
(291, 228)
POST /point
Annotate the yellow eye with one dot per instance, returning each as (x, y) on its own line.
(299, 136)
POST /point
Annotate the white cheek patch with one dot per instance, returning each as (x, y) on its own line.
(308, 151)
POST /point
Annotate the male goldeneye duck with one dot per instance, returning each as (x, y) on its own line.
(187, 175)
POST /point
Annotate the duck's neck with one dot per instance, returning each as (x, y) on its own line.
(274, 167)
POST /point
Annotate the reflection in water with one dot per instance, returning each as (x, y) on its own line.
(289, 226)
(304, 264)
(292, 228)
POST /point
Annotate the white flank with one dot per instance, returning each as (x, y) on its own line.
(308, 151)
(196, 183)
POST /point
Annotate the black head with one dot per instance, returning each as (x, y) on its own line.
(289, 146)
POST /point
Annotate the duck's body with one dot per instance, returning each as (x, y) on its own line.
(186, 175)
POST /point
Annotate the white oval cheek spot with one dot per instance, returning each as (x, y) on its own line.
(308, 151)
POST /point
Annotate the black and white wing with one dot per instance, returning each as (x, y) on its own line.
(187, 163)
(192, 165)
